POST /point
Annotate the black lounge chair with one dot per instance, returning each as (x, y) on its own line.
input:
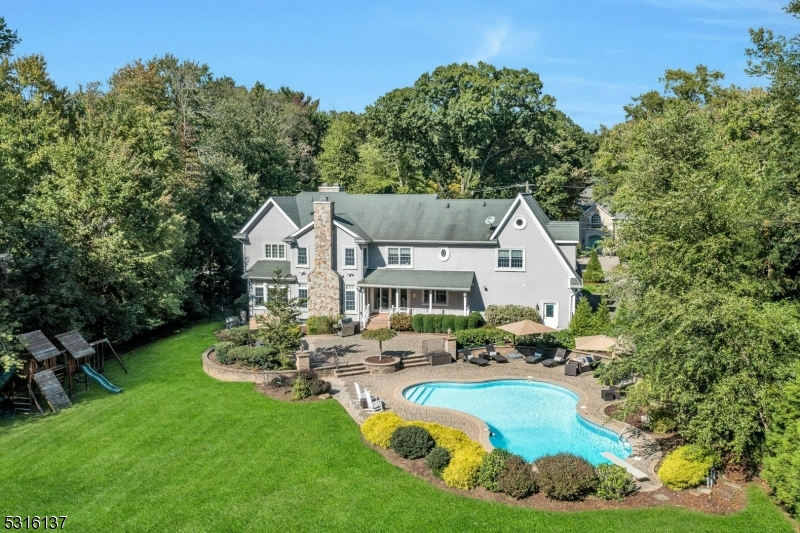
(538, 355)
(480, 361)
(559, 359)
(491, 351)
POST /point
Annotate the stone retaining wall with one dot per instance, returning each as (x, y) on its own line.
(231, 373)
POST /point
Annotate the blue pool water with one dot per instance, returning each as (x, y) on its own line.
(529, 418)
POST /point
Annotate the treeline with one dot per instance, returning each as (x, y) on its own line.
(709, 178)
(119, 202)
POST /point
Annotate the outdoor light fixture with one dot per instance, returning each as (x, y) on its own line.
(484, 288)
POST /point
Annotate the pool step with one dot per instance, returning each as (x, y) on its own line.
(420, 395)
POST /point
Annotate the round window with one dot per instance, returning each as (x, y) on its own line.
(444, 254)
(520, 222)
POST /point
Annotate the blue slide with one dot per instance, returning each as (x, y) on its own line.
(89, 371)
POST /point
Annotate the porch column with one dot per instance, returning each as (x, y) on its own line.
(465, 304)
(397, 298)
(430, 301)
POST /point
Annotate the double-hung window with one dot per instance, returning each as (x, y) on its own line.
(275, 251)
(349, 298)
(350, 258)
(302, 257)
(510, 259)
(258, 296)
(439, 297)
(399, 257)
(302, 295)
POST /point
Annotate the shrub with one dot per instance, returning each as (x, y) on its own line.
(613, 482)
(781, 464)
(459, 323)
(320, 324)
(686, 466)
(517, 479)
(319, 386)
(279, 381)
(238, 336)
(411, 442)
(437, 460)
(221, 350)
(378, 428)
(480, 336)
(300, 388)
(474, 320)
(448, 323)
(466, 455)
(498, 315)
(400, 322)
(260, 357)
(437, 323)
(565, 476)
(429, 323)
(494, 463)
(594, 272)
(417, 323)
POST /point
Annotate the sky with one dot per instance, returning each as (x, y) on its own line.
(593, 56)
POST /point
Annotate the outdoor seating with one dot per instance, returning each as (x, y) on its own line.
(361, 396)
(374, 404)
(538, 355)
(467, 354)
(491, 351)
(559, 359)
(610, 394)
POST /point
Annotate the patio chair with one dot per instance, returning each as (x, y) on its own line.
(491, 351)
(374, 404)
(559, 359)
(538, 355)
(480, 361)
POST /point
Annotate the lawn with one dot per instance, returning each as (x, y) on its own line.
(179, 451)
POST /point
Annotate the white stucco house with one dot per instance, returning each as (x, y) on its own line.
(367, 254)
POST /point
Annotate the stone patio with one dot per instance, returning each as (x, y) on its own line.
(645, 451)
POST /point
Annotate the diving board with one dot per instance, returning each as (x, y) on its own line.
(632, 470)
(52, 390)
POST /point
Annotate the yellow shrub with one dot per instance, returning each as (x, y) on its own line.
(378, 428)
(466, 455)
(687, 466)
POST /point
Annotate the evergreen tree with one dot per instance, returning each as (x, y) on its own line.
(594, 272)
(583, 321)
(602, 318)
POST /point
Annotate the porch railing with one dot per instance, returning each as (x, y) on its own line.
(428, 311)
(364, 318)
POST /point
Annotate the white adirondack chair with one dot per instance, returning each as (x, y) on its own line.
(374, 404)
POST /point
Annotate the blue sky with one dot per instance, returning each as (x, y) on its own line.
(592, 55)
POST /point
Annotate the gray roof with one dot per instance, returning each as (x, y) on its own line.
(264, 269)
(564, 231)
(418, 279)
(409, 217)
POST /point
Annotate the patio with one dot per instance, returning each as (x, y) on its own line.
(645, 453)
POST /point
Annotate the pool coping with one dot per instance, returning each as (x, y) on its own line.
(635, 441)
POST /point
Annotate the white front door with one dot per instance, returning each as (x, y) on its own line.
(551, 314)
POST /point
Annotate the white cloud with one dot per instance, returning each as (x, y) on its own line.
(502, 40)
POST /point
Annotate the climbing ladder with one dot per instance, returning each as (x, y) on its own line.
(52, 390)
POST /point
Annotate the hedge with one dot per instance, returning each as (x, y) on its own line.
(221, 350)
(238, 336)
(498, 315)
(480, 336)
(378, 428)
(411, 442)
(565, 476)
(417, 323)
(400, 322)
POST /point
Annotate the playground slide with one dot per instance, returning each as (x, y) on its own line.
(89, 371)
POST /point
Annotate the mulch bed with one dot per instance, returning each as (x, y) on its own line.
(685, 498)
(384, 360)
(283, 394)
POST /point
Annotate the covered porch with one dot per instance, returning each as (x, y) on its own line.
(414, 292)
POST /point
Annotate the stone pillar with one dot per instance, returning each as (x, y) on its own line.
(303, 360)
(324, 283)
(450, 346)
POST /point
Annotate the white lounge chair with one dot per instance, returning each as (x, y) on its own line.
(374, 404)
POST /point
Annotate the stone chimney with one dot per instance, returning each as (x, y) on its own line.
(330, 188)
(324, 283)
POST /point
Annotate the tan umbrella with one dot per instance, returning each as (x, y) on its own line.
(595, 343)
(253, 324)
(526, 327)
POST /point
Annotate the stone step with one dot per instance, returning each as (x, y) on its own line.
(424, 362)
(352, 370)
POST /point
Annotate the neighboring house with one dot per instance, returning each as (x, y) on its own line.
(597, 221)
(361, 254)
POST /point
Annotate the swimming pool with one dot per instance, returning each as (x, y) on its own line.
(529, 418)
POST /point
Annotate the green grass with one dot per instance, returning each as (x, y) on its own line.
(179, 451)
(595, 288)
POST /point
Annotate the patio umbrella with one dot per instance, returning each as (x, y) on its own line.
(595, 343)
(526, 327)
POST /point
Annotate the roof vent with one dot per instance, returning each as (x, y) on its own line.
(330, 188)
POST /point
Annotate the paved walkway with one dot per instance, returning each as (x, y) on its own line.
(645, 451)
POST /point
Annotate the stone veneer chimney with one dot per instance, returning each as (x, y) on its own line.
(324, 283)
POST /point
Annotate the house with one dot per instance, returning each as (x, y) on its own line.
(597, 222)
(364, 254)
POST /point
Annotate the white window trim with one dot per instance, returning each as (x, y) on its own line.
(354, 311)
(273, 244)
(307, 264)
(262, 286)
(298, 296)
(411, 250)
(509, 268)
(446, 297)
(345, 266)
